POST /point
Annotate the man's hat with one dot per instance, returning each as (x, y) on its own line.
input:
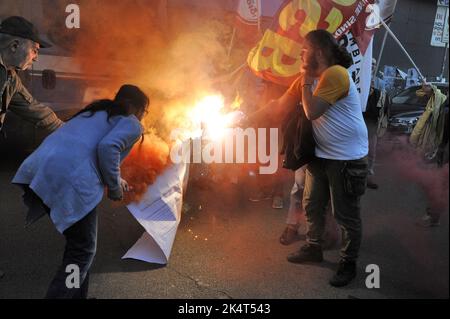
(20, 27)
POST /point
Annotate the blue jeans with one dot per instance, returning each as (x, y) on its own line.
(81, 245)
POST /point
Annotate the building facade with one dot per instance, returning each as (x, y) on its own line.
(413, 23)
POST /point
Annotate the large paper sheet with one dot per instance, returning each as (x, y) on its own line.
(159, 212)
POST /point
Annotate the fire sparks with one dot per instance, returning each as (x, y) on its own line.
(208, 118)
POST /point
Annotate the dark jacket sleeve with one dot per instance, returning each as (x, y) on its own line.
(25, 106)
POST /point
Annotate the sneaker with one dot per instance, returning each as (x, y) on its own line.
(277, 202)
(307, 253)
(289, 235)
(345, 273)
(428, 221)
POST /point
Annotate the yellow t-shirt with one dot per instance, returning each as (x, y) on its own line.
(296, 88)
(332, 86)
(340, 133)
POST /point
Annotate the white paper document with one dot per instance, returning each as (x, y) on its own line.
(159, 212)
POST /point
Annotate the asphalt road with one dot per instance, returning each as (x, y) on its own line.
(241, 257)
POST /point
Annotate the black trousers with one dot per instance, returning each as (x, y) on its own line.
(79, 253)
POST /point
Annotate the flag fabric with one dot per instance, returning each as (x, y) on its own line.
(276, 58)
(249, 12)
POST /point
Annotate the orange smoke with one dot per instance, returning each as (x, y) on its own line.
(173, 52)
(142, 166)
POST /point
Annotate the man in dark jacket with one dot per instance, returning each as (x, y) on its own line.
(19, 48)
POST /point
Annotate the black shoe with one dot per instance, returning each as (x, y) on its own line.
(345, 273)
(312, 253)
(371, 184)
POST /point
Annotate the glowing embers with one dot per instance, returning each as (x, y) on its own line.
(195, 236)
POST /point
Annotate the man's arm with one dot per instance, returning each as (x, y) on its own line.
(313, 106)
(24, 105)
(274, 109)
(333, 85)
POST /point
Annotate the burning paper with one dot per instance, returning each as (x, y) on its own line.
(157, 187)
(159, 212)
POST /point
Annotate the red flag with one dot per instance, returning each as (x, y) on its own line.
(276, 58)
(247, 20)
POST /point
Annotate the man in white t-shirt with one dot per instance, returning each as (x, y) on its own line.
(339, 171)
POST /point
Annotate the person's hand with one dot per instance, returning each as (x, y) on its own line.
(117, 195)
(307, 79)
(124, 185)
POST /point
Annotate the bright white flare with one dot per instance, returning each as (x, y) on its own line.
(207, 116)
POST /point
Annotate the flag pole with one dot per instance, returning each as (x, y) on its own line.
(384, 42)
(446, 46)
(381, 52)
(259, 14)
(443, 62)
(399, 43)
(231, 42)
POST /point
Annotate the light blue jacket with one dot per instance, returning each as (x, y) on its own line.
(72, 166)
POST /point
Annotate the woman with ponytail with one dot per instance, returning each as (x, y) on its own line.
(66, 177)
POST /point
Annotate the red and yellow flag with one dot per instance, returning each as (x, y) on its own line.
(276, 58)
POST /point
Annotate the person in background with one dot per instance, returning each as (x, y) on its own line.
(19, 49)
(375, 116)
(66, 176)
(295, 211)
(269, 187)
(430, 137)
(296, 214)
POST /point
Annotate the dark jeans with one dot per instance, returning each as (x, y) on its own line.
(81, 245)
(324, 179)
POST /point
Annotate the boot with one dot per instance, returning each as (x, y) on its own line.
(307, 253)
(345, 273)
